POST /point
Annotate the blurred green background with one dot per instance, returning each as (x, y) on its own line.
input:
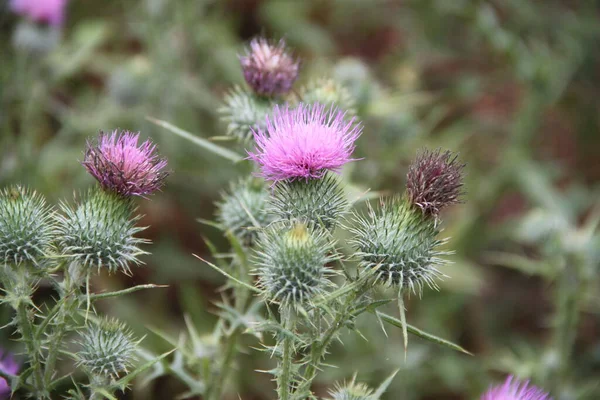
(513, 85)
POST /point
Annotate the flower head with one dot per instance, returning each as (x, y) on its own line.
(434, 181)
(8, 365)
(512, 389)
(304, 142)
(51, 12)
(26, 227)
(121, 166)
(268, 68)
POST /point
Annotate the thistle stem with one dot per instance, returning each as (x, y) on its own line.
(284, 384)
(26, 328)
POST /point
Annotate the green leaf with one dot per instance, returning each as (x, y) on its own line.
(384, 385)
(123, 382)
(252, 288)
(417, 332)
(205, 144)
(97, 296)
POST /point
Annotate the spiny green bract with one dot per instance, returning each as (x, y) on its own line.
(318, 201)
(352, 391)
(107, 348)
(329, 93)
(100, 231)
(291, 261)
(26, 226)
(243, 210)
(400, 242)
(243, 112)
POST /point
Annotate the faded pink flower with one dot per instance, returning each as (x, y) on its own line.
(10, 366)
(512, 389)
(434, 181)
(268, 68)
(121, 166)
(51, 12)
(304, 142)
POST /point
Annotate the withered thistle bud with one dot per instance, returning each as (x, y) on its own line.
(268, 68)
(434, 181)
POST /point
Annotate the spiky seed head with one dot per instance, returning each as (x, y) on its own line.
(51, 12)
(244, 113)
(434, 181)
(291, 259)
(122, 166)
(304, 142)
(107, 348)
(512, 389)
(318, 201)
(269, 69)
(352, 391)
(27, 227)
(100, 231)
(329, 93)
(400, 243)
(242, 210)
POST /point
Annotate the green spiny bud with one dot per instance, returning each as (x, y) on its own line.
(400, 243)
(243, 210)
(329, 93)
(107, 348)
(99, 231)
(292, 262)
(26, 226)
(244, 112)
(352, 391)
(318, 201)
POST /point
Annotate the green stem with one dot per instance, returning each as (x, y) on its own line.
(26, 329)
(571, 290)
(318, 349)
(284, 384)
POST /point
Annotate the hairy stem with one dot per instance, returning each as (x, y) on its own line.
(26, 328)
(284, 384)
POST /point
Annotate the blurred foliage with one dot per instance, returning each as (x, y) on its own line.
(510, 84)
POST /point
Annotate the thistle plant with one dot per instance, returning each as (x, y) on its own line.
(281, 226)
(66, 248)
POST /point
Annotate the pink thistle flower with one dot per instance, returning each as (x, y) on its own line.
(8, 365)
(268, 68)
(51, 12)
(121, 166)
(434, 181)
(512, 389)
(304, 142)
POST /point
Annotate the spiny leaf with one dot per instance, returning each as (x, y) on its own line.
(418, 332)
(205, 144)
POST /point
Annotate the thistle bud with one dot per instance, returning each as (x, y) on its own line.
(107, 349)
(329, 93)
(434, 181)
(512, 389)
(319, 201)
(26, 226)
(400, 244)
(99, 232)
(243, 210)
(244, 113)
(268, 68)
(292, 262)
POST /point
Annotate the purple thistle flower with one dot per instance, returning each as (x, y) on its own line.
(8, 365)
(513, 389)
(121, 166)
(51, 12)
(268, 68)
(304, 142)
(434, 181)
